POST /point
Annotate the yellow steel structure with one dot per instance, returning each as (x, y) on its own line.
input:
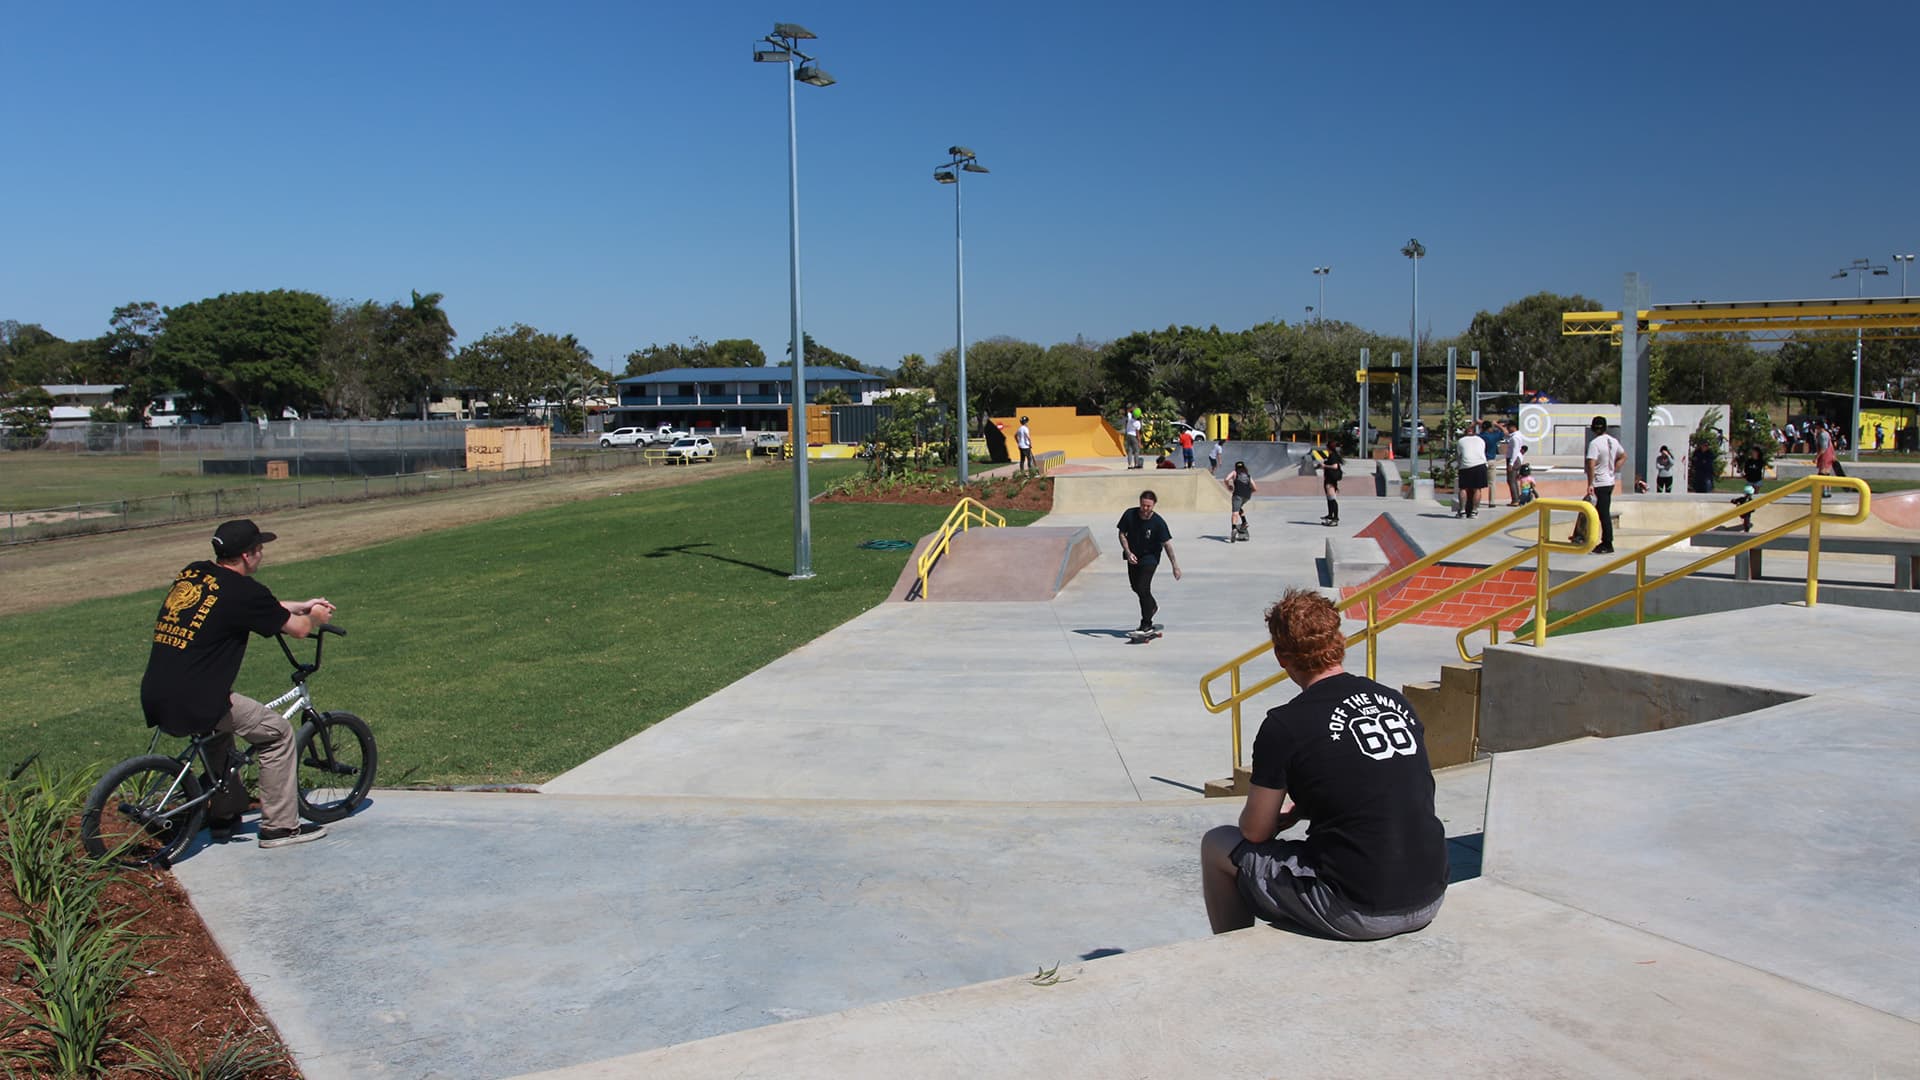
(966, 512)
(1876, 318)
(1541, 510)
(1819, 489)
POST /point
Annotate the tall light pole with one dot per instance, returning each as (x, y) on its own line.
(781, 47)
(1415, 251)
(962, 162)
(1861, 269)
(1904, 261)
(1321, 272)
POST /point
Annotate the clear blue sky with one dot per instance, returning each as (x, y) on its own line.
(618, 170)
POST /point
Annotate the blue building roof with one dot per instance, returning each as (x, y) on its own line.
(747, 374)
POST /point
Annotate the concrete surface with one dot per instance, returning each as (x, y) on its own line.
(1503, 984)
(1354, 560)
(908, 806)
(991, 564)
(1177, 490)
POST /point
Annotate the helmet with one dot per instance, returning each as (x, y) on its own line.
(1749, 489)
(1023, 419)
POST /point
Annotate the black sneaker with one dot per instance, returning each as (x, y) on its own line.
(272, 838)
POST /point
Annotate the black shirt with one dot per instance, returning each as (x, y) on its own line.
(199, 640)
(1242, 485)
(1354, 757)
(1145, 537)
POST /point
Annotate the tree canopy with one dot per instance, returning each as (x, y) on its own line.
(242, 354)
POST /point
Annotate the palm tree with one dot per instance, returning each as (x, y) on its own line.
(426, 343)
(578, 385)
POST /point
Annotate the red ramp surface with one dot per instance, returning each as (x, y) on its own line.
(988, 564)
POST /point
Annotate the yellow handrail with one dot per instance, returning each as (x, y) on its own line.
(1816, 485)
(1541, 509)
(963, 514)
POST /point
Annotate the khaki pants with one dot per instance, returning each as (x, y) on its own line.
(270, 732)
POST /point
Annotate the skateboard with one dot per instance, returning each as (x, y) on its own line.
(1141, 637)
(1330, 522)
(1239, 534)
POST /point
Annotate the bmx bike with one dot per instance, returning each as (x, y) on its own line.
(147, 809)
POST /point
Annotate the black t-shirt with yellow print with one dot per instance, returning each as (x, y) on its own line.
(199, 641)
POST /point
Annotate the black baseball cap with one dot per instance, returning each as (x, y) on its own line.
(237, 537)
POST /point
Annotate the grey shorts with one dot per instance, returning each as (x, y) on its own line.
(1279, 882)
(1239, 504)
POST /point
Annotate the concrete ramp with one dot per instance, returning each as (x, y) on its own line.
(1065, 429)
(1274, 466)
(989, 564)
(1178, 490)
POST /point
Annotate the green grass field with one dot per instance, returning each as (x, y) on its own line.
(507, 651)
(33, 480)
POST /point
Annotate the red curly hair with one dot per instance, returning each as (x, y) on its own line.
(1305, 628)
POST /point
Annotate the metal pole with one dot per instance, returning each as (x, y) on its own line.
(802, 520)
(960, 320)
(1853, 436)
(1414, 431)
(1366, 383)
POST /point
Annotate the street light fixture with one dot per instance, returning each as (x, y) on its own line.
(1321, 272)
(1415, 251)
(1860, 269)
(782, 47)
(961, 160)
(1904, 261)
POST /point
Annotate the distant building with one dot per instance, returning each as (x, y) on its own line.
(717, 399)
(73, 403)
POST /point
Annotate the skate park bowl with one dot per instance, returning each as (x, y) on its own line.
(1031, 563)
(1178, 490)
(1066, 430)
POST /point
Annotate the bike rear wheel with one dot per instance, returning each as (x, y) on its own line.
(137, 813)
(336, 759)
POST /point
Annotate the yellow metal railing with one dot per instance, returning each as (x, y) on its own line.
(1541, 509)
(964, 514)
(1811, 520)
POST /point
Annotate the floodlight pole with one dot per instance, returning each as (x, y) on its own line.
(1321, 272)
(962, 161)
(1415, 251)
(1860, 269)
(785, 40)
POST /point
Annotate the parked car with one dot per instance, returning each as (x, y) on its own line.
(1181, 425)
(767, 442)
(666, 436)
(626, 436)
(689, 449)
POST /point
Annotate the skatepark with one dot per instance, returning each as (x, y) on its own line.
(959, 836)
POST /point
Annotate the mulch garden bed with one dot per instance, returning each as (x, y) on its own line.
(184, 995)
(1030, 494)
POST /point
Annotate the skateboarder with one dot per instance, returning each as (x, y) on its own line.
(1023, 438)
(1241, 485)
(1330, 465)
(1143, 536)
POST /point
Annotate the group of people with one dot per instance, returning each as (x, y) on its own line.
(1477, 450)
(1806, 437)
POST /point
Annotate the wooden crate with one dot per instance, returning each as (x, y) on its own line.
(509, 447)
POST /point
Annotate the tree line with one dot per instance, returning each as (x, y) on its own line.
(251, 354)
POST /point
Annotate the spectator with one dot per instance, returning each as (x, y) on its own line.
(1605, 460)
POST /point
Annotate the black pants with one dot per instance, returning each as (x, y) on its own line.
(1663, 483)
(1603, 502)
(1026, 457)
(1140, 576)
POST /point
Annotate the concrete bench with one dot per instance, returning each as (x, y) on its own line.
(1905, 553)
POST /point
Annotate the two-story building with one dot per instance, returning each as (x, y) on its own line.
(727, 399)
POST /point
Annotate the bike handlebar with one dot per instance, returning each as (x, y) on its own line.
(300, 670)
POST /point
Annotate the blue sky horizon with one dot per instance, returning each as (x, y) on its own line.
(619, 171)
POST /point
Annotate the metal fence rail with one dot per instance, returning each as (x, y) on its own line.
(24, 526)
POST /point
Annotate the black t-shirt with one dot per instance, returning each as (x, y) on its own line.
(1354, 757)
(1144, 537)
(1242, 485)
(199, 640)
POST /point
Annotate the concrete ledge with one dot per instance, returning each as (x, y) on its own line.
(1503, 983)
(1354, 560)
(999, 564)
(1532, 697)
(1178, 490)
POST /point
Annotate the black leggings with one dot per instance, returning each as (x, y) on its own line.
(1140, 576)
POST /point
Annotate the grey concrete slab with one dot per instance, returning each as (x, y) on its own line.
(1354, 560)
(477, 935)
(1503, 984)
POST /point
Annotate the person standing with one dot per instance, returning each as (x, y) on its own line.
(1792, 436)
(1823, 453)
(199, 642)
(1663, 471)
(1132, 436)
(1879, 436)
(1605, 459)
(1495, 439)
(1351, 756)
(1331, 465)
(1023, 438)
(1516, 458)
(1213, 459)
(1186, 446)
(1472, 472)
(1144, 535)
(1240, 486)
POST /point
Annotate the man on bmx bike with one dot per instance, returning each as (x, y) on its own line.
(199, 642)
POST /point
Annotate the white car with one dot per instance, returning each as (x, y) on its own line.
(689, 449)
(626, 436)
(666, 436)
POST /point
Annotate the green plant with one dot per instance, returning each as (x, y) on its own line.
(238, 1055)
(39, 851)
(1754, 432)
(1706, 436)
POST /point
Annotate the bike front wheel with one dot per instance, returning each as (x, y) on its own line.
(139, 812)
(336, 759)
